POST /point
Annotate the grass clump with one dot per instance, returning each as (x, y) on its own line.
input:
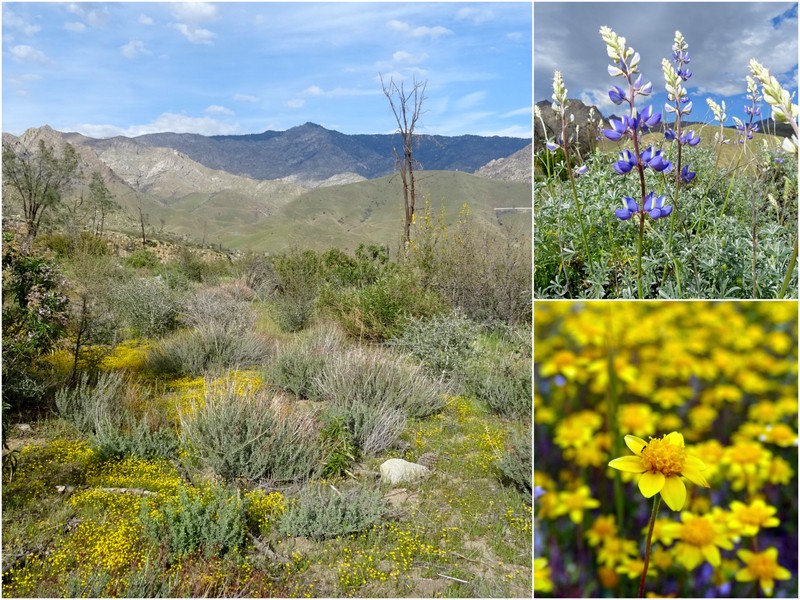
(324, 512)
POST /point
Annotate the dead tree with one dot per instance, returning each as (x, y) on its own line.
(406, 107)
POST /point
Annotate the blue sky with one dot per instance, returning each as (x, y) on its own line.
(106, 69)
(722, 38)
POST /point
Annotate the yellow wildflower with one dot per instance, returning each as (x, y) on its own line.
(700, 537)
(615, 550)
(662, 462)
(603, 527)
(632, 567)
(763, 567)
(541, 576)
(747, 520)
(574, 503)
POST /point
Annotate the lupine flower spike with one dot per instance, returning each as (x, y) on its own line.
(783, 111)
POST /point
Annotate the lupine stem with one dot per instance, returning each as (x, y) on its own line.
(789, 271)
(656, 504)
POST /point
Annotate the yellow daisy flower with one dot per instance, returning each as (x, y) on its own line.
(747, 520)
(662, 462)
(763, 567)
(603, 527)
(541, 576)
(699, 538)
(575, 503)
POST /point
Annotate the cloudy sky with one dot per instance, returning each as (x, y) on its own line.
(106, 69)
(722, 38)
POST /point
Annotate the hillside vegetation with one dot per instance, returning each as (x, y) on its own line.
(180, 425)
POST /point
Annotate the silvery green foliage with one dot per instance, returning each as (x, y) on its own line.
(516, 463)
(214, 522)
(86, 406)
(441, 343)
(147, 306)
(324, 512)
(238, 433)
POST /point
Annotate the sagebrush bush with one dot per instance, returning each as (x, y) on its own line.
(147, 306)
(135, 438)
(379, 378)
(224, 306)
(321, 512)
(441, 344)
(503, 382)
(208, 348)
(516, 462)
(237, 432)
(297, 366)
(212, 520)
(86, 405)
(373, 427)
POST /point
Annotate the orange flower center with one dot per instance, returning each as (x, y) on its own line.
(664, 457)
(762, 566)
(698, 532)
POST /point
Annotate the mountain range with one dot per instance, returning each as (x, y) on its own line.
(256, 191)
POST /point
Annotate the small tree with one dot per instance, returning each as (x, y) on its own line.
(406, 107)
(38, 180)
(101, 202)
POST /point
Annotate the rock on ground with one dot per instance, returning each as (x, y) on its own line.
(397, 470)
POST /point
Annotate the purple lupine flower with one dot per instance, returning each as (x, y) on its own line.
(581, 170)
(648, 118)
(655, 159)
(690, 138)
(684, 74)
(686, 174)
(631, 208)
(552, 147)
(616, 94)
(618, 129)
(626, 162)
(655, 206)
(670, 134)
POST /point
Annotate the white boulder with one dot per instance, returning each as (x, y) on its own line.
(397, 470)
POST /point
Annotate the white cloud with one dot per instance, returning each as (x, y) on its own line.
(170, 122)
(96, 17)
(470, 100)
(407, 57)
(134, 48)
(25, 53)
(216, 109)
(75, 26)
(421, 31)
(339, 92)
(296, 103)
(245, 98)
(476, 15)
(196, 35)
(11, 19)
(313, 90)
(194, 12)
(515, 36)
(526, 110)
(145, 20)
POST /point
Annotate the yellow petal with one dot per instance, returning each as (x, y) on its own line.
(675, 439)
(690, 556)
(695, 462)
(712, 555)
(744, 575)
(635, 444)
(631, 464)
(674, 492)
(693, 475)
(651, 483)
(767, 585)
(744, 555)
(781, 573)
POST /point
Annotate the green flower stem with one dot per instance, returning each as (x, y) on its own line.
(789, 271)
(639, 255)
(656, 504)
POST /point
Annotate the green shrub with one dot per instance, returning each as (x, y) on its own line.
(207, 348)
(321, 512)
(299, 276)
(147, 306)
(516, 463)
(372, 427)
(135, 438)
(85, 406)
(503, 382)
(442, 344)
(379, 379)
(298, 365)
(380, 310)
(141, 259)
(340, 448)
(237, 433)
(214, 521)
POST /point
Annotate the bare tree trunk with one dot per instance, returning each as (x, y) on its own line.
(407, 108)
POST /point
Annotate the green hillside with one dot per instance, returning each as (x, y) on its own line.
(372, 211)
